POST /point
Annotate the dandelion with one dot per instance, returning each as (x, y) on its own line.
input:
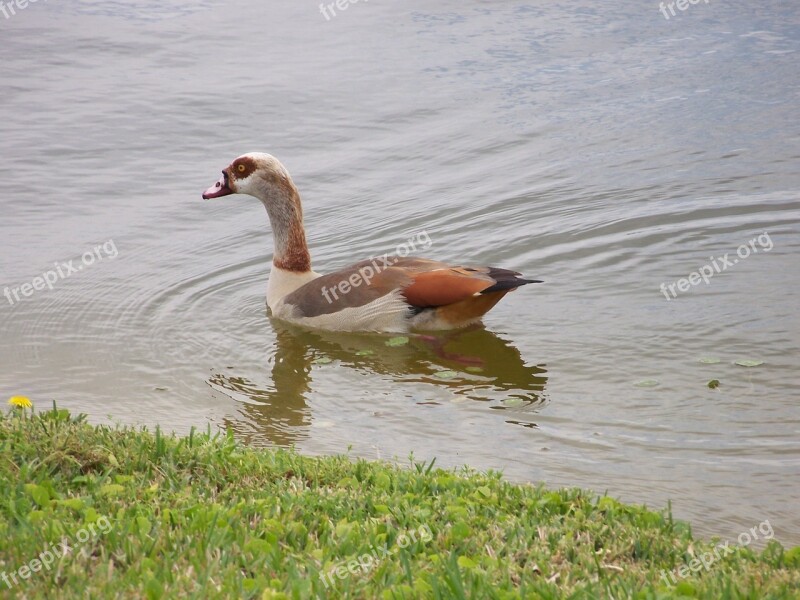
(20, 402)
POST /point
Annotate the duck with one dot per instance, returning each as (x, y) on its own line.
(395, 294)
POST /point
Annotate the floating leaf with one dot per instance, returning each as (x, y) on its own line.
(323, 360)
(512, 402)
(647, 383)
(364, 352)
(749, 363)
(400, 340)
(709, 361)
(446, 374)
(713, 384)
(475, 369)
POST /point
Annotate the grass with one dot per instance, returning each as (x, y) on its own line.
(154, 516)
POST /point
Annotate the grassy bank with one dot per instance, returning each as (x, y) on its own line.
(150, 516)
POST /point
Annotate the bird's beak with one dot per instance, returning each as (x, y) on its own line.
(219, 189)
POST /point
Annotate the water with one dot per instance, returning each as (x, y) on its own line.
(600, 147)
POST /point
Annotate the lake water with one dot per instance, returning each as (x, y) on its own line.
(600, 147)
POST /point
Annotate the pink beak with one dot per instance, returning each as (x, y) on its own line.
(219, 189)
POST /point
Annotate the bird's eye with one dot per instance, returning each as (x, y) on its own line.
(241, 168)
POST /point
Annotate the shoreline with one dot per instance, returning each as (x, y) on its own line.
(128, 512)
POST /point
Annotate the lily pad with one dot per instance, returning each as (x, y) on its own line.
(512, 402)
(749, 363)
(446, 374)
(713, 384)
(323, 360)
(475, 369)
(647, 383)
(706, 360)
(364, 352)
(400, 340)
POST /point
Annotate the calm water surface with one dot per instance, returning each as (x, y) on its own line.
(597, 146)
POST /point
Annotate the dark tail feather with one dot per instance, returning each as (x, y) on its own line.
(507, 280)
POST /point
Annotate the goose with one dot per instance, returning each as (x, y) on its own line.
(401, 294)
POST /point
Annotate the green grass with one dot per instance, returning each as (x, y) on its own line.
(155, 516)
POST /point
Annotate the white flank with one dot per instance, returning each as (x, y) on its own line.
(388, 313)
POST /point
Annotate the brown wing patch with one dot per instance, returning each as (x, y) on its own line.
(445, 286)
(469, 310)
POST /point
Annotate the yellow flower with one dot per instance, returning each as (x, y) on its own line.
(20, 402)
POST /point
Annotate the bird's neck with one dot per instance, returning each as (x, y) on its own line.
(291, 261)
(286, 218)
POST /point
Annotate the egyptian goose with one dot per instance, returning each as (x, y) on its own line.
(397, 295)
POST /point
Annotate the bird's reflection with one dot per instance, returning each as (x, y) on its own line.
(473, 363)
